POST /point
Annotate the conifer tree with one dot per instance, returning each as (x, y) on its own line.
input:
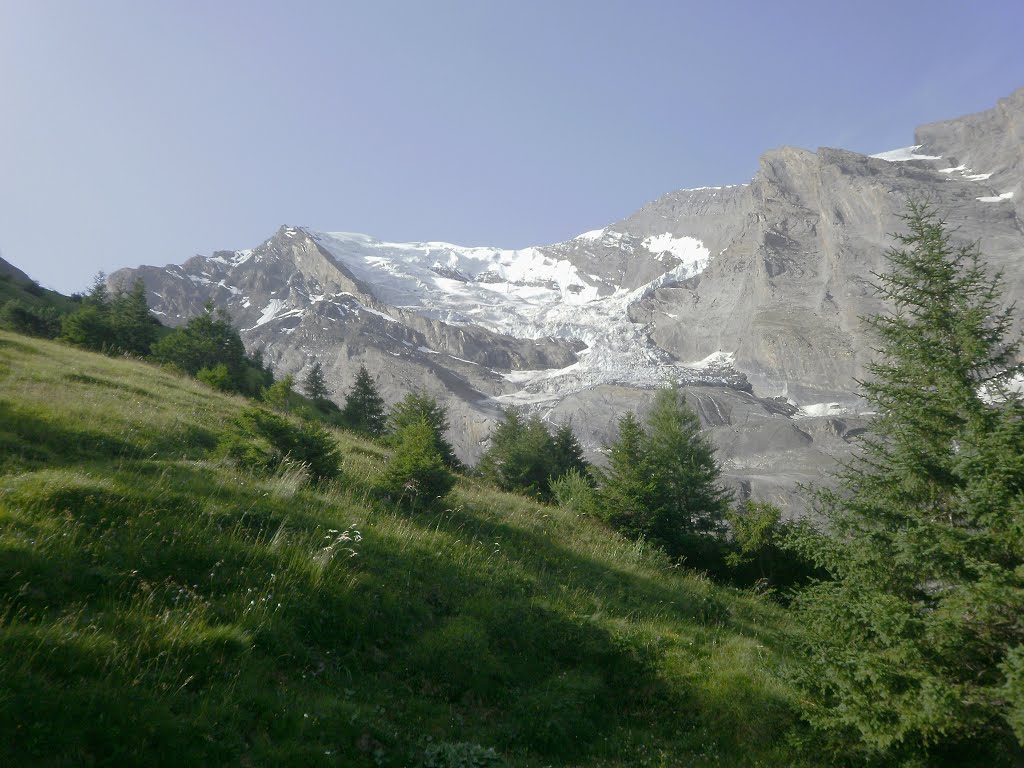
(663, 481)
(416, 407)
(567, 454)
(315, 385)
(134, 328)
(916, 648)
(279, 394)
(363, 411)
(521, 455)
(629, 486)
(690, 500)
(416, 474)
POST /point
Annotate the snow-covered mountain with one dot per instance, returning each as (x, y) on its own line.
(751, 295)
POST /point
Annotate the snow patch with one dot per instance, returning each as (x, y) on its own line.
(688, 250)
(270, 311)
(812, 410)
(715, 359)
(997, 199)
(903, 154)
(594, 234)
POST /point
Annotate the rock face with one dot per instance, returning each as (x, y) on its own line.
(750, 295)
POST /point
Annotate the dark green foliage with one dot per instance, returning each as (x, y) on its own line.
(117, 323)
(914, 648)
(663, 482)
(206, 341)
(363, 411)
(315, 385)
(29, 309)
(416, 475)
(629, 487)
(33, 320)
(88, 327)
(519, 456)
(262, 441)
(134, 328)
(523, 456)
(415, 407)
(759, 553)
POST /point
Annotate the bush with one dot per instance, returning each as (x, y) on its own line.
(575, 492)
(217, 377)
(20, 317)
(262, 441)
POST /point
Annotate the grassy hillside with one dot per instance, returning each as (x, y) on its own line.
(17, 287)
(159, 607)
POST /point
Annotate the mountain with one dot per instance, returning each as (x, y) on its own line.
(751, 295)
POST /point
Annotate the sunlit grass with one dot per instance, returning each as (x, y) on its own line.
(159, 606)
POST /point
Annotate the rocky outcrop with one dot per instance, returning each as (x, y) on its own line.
(752, 295)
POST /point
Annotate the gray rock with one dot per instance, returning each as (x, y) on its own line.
(751, 295)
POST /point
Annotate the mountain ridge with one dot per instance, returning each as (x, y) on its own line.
(750, 293)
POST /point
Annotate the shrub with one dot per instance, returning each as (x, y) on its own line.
(21, 317)
(218, 377)
(262, 441)
(575, 492)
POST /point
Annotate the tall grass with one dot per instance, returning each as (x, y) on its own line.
(160, 606)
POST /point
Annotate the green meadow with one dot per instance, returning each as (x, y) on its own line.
(159, 606)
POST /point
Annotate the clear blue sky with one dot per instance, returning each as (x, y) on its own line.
(143, 132)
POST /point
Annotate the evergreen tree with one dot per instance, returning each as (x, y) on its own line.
(629, 487)
(416, 407)
(567, 454)
(206, 341)
(690, 501)
(132, 326)
(416, 474)
(363, 411)
(315, 384)
(279, 394)
(98, 295)
(663, 481)
(917, 646)
(521, 456)
(89, 327)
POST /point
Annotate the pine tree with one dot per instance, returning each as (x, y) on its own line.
(134, 328)
(205, 341)
(917, 646)
(315, 385)
(663, 481)
(363, 411)
(567, 454)
(416, 474)
(690, 499)
(416, 407)
(521, 456)
(626, 496)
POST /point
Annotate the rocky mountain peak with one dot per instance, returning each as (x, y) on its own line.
(751, 295)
